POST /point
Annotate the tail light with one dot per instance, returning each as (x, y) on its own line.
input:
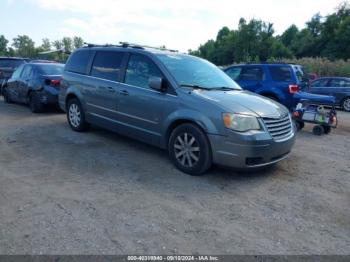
(53, 82)
(293, 89)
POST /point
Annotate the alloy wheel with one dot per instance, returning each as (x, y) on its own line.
(74, 115)
(187, 150)
(346, 104)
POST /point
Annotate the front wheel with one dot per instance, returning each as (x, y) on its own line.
(76, 116)
(346, 104)
(189, 149)
(7, 97)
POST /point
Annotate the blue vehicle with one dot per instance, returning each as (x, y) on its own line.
(35, 84)
(279, 82)
(338, 87)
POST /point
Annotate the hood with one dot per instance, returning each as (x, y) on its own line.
(244, 102)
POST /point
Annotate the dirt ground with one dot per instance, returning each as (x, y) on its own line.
(99, 193)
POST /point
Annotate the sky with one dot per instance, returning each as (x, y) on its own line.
(177, 24)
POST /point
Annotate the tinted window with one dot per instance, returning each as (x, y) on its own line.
(319, 83)
(27, 72)
(339, 83)
(78, 62)
(234, 72)
(251, 73)
(190, 70)
(140, 69)
(10, 63)
(18, 72)
(107, 65)
(280, 73)
(51, 69)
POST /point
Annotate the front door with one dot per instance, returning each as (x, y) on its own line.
(141, 108)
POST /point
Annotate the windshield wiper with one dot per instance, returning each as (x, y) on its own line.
(195, 86)
(225, 88)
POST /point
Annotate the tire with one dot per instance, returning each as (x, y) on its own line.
(299, 125)
(76, 116)
(318, 130)
(7, 98)
(327, 129)
(272, 98)
(346, 104)
(34, 102)
(189, 150)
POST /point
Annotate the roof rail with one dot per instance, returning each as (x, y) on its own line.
(131, 45)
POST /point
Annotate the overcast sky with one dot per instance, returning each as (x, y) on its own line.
(178, 24)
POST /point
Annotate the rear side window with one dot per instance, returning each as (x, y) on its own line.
(281, 73)
(27, 72)
(78, 62)
(234, 72)
(252, 74)
(107, 64)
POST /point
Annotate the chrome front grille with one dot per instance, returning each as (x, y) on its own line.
(279, 129)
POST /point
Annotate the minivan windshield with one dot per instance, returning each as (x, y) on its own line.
(190, 71)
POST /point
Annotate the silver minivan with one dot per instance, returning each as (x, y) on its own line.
(175, 101)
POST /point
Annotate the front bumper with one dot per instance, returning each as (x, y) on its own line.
(256, 151)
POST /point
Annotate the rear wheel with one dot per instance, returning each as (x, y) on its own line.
(34, 102)
(76, 116)
(318, 130)
(189, 149)
(346, 104)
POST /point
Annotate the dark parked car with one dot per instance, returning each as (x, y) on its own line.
(7, 66)
(278, 82)
(339, 87)
(35, 84)
(177, 102)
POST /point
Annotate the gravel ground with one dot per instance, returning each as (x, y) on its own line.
(99, 193)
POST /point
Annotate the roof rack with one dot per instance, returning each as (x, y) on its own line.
(131, 45)
(127, 44)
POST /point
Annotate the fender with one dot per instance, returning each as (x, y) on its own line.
(189, 115)
(73, 90)
(272, 91)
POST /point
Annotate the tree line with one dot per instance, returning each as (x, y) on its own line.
(255, 41)
(24, 46)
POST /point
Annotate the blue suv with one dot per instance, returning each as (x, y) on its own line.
(276, 81)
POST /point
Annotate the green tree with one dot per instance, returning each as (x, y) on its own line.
(78, 42)
(58, 44)
(67, 44)
(46, 44)
(24, 46)
(3, 45)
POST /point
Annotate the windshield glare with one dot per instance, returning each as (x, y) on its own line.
(194, 71)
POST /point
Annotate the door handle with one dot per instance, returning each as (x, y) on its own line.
(124, 92)
(110, 89)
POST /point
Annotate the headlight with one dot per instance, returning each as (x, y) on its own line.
(240, 123)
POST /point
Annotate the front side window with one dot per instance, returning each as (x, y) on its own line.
(18, 72)
(107, 64)
(319, 83)
(281, 73)
(78, 62)
(252, 74)
(193, 71)
(234, 72)
(140, 70)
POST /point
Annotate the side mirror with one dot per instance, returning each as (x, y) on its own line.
(156, 83)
